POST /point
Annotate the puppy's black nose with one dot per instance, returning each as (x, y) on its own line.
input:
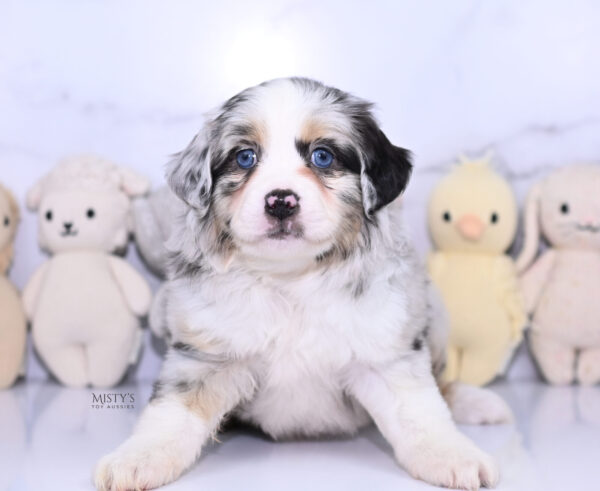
(281, 203)
(67, 225)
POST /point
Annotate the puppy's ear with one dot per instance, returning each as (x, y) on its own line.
(189, 173)
(385, 168)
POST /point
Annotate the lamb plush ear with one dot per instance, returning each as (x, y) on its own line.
(385, 168)
(133, 184)
(34, 196)
(189, 174)
(532, 228)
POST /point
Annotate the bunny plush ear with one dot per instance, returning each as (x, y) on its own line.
(532, 228)
(133, 184)
(34, 196)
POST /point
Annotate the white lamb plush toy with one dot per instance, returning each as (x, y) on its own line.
(84, 303)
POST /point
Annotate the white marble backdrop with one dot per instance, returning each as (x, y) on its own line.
(131, 79)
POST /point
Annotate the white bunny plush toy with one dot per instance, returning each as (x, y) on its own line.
(84, 302)
(562, 286)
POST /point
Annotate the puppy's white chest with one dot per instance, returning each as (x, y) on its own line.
(301, 339)
(301, 389)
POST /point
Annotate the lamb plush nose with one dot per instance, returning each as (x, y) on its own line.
(68, 225)
(470, 227)
(281, 203)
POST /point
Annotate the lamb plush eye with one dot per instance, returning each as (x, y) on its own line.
(90, 213)
(49, 215)
(321, 158)
(6, 221)
(564, 208)
(446, 216)
(246, 158)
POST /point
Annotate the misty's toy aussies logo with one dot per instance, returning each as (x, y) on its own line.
(113, 400)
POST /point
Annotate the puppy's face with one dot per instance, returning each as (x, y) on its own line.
(290, 181)
(289, 169)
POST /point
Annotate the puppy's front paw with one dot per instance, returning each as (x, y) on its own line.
(458, 465)
(128, 469)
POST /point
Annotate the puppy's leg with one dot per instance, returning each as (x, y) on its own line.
(191, 397)
(406, 405)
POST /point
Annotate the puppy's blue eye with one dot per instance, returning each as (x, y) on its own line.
(246, 158)
(321, 158)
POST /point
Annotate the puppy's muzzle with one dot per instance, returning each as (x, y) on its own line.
(281, 203)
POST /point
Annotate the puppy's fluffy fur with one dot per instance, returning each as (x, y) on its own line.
(315, 323)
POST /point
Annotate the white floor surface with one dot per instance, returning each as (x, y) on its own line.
(50, 438)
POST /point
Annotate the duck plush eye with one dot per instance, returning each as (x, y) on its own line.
(321, 158)
(446, 216)
(246, 158)
(494, 218)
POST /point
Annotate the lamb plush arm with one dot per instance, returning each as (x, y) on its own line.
(134, 287)
(534, 278)
(31, 291)
(511, 296)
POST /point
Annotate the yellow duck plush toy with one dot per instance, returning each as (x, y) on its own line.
(472, 219)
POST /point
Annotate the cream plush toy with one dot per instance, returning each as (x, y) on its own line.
(13, 326)
(562, 286)
(472, 219)
(83, 302)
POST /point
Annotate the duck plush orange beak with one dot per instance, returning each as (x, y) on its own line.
(470, 227)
